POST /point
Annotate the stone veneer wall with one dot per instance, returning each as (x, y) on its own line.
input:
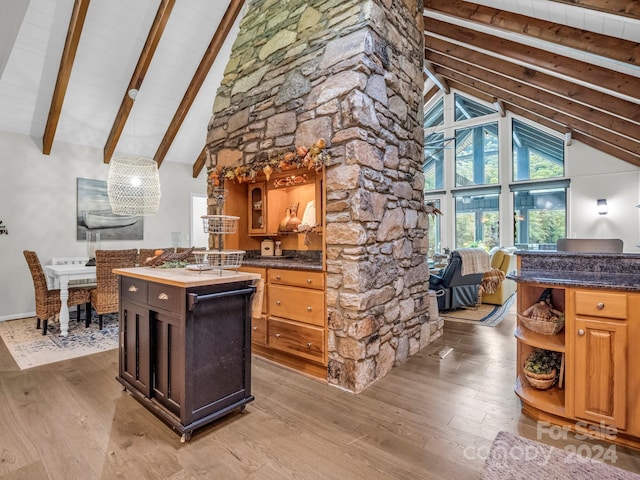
(349, 72)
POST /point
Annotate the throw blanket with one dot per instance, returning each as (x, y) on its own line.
(492, 280)
(474, 260)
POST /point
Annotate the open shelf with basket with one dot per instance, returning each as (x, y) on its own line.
(540, 334)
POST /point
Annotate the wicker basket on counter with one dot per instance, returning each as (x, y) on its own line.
(541, 381)
(544, 327)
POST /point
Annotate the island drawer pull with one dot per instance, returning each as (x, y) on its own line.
(278, 277)
(133, 288)
(309, 281)
(255, 328)
(278, 302)
(309, 309)
(308, 344)
(600, 306)
(278, 335)
(163, 296)
(581, 332)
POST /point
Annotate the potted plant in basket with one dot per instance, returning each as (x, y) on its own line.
(542, 367)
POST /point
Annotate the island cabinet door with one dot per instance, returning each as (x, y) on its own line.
(168, 360)
(135, 367)
(601, 371)
(218, 339)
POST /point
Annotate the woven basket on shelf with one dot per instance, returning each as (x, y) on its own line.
(541, 381)
(544, 327)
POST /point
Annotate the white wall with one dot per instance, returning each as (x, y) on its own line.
(38, 207)
(596, 175)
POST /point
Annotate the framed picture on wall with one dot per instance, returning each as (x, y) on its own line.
(94, 214)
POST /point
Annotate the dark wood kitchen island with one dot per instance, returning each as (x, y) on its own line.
(185, 342)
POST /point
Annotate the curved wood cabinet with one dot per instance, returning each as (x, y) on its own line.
(600, 388)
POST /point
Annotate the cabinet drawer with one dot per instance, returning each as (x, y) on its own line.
(601, 304)
(166, 297)
(259, 330)
(297, 278)
(301, 340)
(134, 289)
(300, 304)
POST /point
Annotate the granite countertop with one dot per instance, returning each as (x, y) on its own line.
(629, 282)
(282, 262)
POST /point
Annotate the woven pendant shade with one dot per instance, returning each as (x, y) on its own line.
(133, 186)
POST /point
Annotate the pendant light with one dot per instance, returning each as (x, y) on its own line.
(133, 184)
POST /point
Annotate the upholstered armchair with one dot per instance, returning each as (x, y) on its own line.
(453, 289)
(496, 288)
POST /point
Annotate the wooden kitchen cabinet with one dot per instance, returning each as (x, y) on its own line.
(257, 206)
(599, 388)
(293, 331)
(600, 343)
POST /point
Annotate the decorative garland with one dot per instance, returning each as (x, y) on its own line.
(314, 157)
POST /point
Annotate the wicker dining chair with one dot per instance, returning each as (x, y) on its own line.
(105, 297)
(48, 301)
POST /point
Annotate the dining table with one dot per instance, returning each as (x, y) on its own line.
(60, 275)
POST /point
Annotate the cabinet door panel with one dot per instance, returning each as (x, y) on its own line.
(259, 330)
(135, 346)
(601, 371)
(168, 361)
(257, 208)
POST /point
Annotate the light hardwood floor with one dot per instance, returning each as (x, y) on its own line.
(428, 419)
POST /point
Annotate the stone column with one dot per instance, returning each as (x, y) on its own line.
(349, 72)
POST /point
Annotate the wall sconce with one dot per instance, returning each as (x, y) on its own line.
(603, 209)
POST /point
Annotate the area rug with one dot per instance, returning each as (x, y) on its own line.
(512, 457)
(485, 315)
(29, 348)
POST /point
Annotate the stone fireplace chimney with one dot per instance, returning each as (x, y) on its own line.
(349, 72)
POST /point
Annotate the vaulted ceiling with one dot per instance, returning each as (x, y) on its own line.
(571, 65)
(66, 68)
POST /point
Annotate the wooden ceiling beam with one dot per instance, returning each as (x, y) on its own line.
(144, 61)
(627, 8)
(598, 144)
(434, 90)
(74, 31)
(597, 44)
(199, 163)
(199, 77)
(566, 107)
(615, 82)
(539, 103)
(437, 49)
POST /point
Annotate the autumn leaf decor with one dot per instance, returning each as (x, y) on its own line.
(311, 158)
